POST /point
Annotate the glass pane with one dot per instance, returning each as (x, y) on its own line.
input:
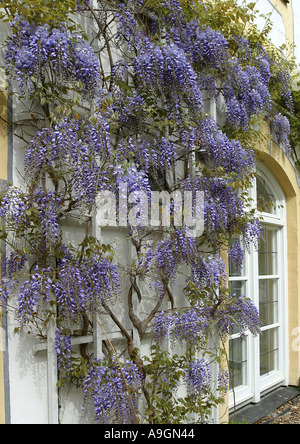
(268, 351)
(267, 255)
(266, 201)
(268, 301)
(237, 362)
(237, 288)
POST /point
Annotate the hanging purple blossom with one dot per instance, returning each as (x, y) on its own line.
(32, 49)
(106, 394)
(166, 70)
(208, 271)
(198, 377)
(246, 94)
(240, 313)
(206, 47)
(252, 233)
(236, 255)
(34, 296)
(219, 151)
(190, 325)
(83, 285)
(223, 381)
(76, 148)
(12, 269)
(63, 348)
(82, 5)
(281, 127)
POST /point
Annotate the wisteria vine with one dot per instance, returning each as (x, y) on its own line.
(124, 103)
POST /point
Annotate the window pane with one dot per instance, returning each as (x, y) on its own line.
(237, 362)
(268, 301)
(268, 351)
(235, 271)
(267, 256)
(265, 198)
(237, 288)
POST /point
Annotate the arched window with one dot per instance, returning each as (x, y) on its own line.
(257, 364)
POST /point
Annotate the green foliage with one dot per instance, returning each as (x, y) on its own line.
(167, 404)
(37, 11)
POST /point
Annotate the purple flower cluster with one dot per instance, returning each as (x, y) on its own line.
(158, 154)
(283, 78)
(183, 326)
(223, 381)
(135, 178)
(240, 313)
(252, 233)
(165, 70)
(206, 48)
(77, 150)
(13, 207)
(34, 296)
(236, 254)
(172, 252)
(264, 64)
(222, 207)
(166, 258)
(281, 127)
(193, 325)
(246, 94)
(130, 109)
(83, 285)
(220, 151)
(20, 211)
(48, 206)
(198, 377)
(106, 394)
(32, 50)
(11, 273)
(63, 348)
(150, 116)
(82, 5)
(195, 57)
(208, 271)
(128, 32)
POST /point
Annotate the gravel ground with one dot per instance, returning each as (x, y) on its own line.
(288, 413)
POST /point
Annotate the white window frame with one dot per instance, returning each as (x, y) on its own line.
(256, 385)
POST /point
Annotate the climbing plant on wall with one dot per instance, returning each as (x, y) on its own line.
(117, 94)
